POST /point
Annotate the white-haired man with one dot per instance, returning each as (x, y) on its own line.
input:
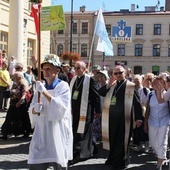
(120, 101)
(85, 102)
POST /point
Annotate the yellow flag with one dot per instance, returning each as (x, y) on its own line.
(52, 18)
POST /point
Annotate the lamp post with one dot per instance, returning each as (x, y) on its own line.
(71, 31)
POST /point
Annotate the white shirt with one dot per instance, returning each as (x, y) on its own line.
(143, 97)
(159, 112)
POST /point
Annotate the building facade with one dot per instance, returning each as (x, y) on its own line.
(148, 51)
(82, 34)
(17, 31)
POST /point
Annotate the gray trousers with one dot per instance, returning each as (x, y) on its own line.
(45, 166)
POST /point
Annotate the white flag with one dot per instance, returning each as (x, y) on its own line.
(104, 43)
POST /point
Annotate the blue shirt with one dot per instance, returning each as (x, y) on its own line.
(28, 78)
(159, 112)
(53, 84)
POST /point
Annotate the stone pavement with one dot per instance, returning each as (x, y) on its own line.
(14, 154)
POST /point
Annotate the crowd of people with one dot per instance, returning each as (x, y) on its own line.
(70, 111)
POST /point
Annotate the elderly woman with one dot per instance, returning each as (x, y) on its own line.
(17, 120)
(157, 122)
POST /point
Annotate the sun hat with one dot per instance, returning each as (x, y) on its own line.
(96, 67)
(65, 65)
(105, 73)
(51, 59)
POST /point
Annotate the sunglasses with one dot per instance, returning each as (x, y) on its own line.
(118, 73)
(76, 68)
(17, 68)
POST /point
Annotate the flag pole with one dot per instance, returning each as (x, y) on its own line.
(38, 2)
(91, 48)
(104, 64)
(39, 47)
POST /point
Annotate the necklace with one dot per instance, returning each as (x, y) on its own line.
(113, 100)
(116, 90)
(78, 85)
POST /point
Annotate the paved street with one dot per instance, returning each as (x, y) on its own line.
(14, 153)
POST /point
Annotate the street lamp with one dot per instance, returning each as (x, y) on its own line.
(71, 31)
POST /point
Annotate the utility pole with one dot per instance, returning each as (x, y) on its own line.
(71, 31)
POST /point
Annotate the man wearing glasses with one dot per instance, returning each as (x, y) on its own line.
(120, 101)
(85, 101)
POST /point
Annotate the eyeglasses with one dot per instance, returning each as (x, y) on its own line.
(118, 73)
(76, 68)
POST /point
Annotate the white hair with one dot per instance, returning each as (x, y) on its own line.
(139, 77)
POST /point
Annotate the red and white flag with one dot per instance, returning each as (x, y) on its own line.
(35, 14)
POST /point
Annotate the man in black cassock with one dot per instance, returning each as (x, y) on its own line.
(117, 117)
(84, 101)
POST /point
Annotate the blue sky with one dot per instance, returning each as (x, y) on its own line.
(110, 5)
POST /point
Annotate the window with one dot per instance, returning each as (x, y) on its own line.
(156, 49)
(155, 70)
(157, 29)
(169, 50)
(168, 69)
(137, 69)
(84, 27)
(60, 31)
(74, 28)
(29, 6)
(4, 41)
(139, 29)
(108, 28)
(121, 50)
(74, 48)
(138, 49)
(25, 23)
(30, 50)
(60, 49)
(84, 50)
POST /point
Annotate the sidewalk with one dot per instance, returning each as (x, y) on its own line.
(14, 154)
